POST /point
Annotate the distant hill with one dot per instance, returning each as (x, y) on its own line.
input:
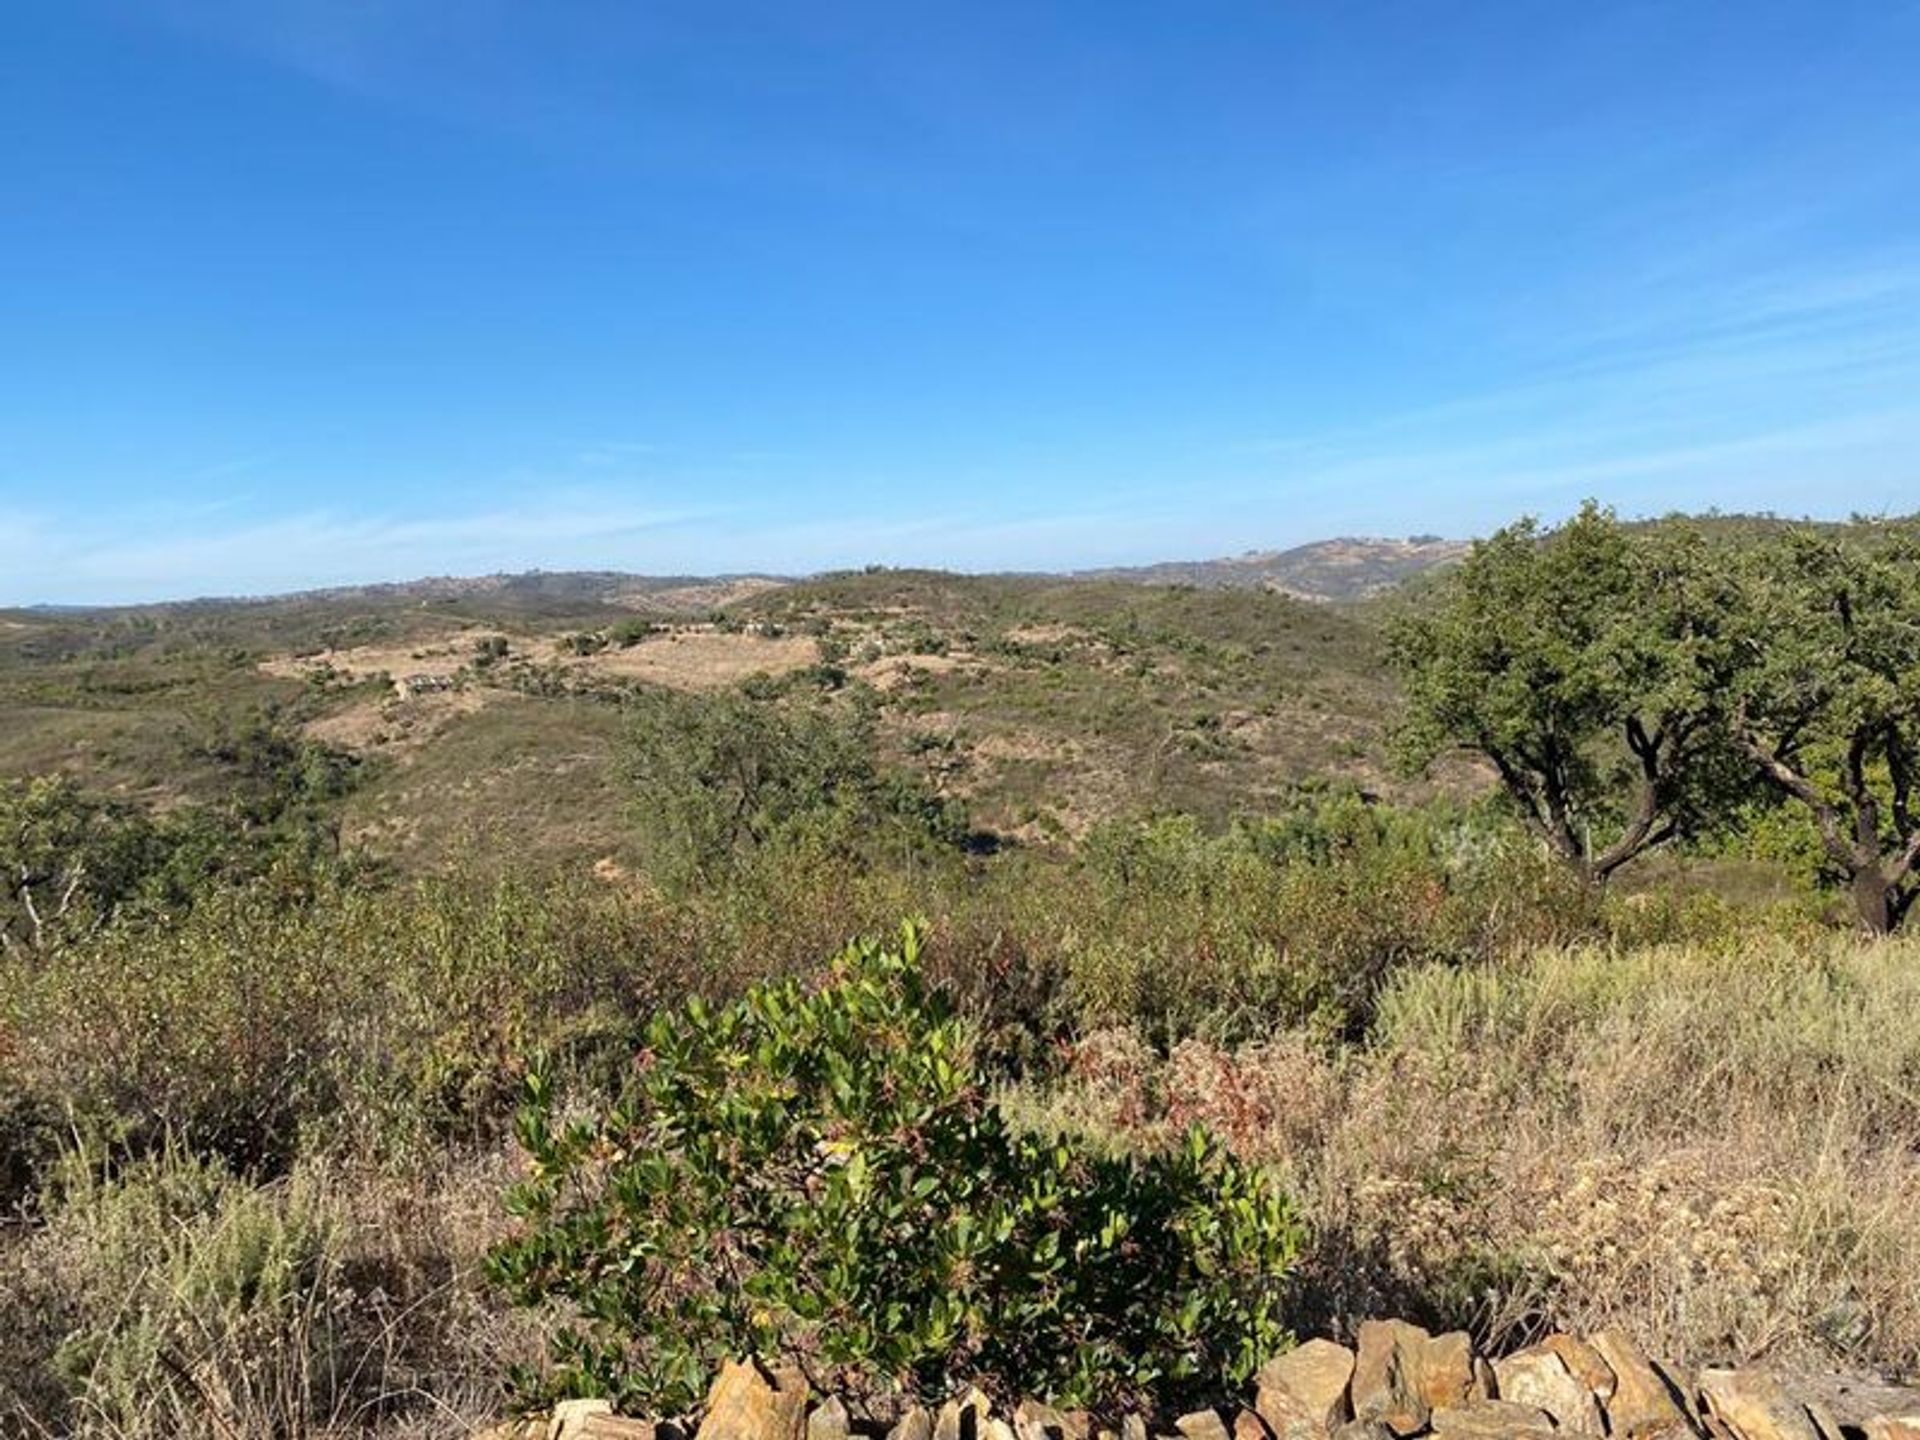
(532, 590)
(1348, 568)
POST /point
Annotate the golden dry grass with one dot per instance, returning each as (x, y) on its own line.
(1718, 1147)
(690, 658)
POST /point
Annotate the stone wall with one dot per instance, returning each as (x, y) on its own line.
(1398, 1382)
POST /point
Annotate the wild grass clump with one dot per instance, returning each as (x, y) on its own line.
(169, 1296)
(1301, 921)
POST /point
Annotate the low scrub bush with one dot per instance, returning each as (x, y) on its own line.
(821, 1175)
(250, 1029)
(198, 1297)
(722, 778)
(1302, 920)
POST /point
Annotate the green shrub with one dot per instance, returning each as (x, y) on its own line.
(629, 633)
(822, 1175)
(1297, 920)
(719, 778)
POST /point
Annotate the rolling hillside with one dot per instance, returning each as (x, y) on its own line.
(488, 713)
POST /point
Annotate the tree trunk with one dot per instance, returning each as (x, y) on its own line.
(1873, 899)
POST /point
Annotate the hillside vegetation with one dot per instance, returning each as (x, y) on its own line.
(1490, 954)
(1046, 705)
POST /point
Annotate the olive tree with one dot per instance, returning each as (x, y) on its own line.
(1581, 662)
(1826, 699)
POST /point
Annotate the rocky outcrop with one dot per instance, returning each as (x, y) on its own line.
(1397, 1382)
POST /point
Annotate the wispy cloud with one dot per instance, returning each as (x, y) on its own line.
(1747, 389)
(45, 561)
(68, 562)
(231, 467)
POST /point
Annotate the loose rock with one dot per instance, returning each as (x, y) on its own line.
(1755, 1406)
(615, 1427)
(570, 1416)
(754, 1402)
(1642, 1403)
(1203, 1425)
(1387, 1376)
(1539, 1377)
(1302, 1395)
(1484, 1385)
(1034, 1421)
(1583, 1362)
(963, 1418)
(829, 1420)
(1445, 1370)
(1491, 1420)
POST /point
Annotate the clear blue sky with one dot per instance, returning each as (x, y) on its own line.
(303, 291)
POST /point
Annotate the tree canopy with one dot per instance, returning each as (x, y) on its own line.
(1629, 683)
(1825, 701)
(720, 777)
(1581, 663)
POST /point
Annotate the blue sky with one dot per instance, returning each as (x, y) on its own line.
(297, 292)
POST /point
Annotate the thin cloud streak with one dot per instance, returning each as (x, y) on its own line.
(1715, 391)
(302, 551)
(314, 551)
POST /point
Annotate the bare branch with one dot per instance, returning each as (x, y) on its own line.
(1825, 814)
(33, 916)
(1905, 861)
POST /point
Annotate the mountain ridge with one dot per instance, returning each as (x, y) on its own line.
(1342, 568)
(1346, 567)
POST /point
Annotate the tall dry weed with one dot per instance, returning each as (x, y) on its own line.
(1717, 1145)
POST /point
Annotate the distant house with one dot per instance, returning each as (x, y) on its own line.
(408, 686)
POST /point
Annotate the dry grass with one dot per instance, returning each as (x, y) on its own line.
(702, 595)
(178, 1301)
(392, 724)
(441, 652)
(699, 659)
(897, 672)
(1717, 1147)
